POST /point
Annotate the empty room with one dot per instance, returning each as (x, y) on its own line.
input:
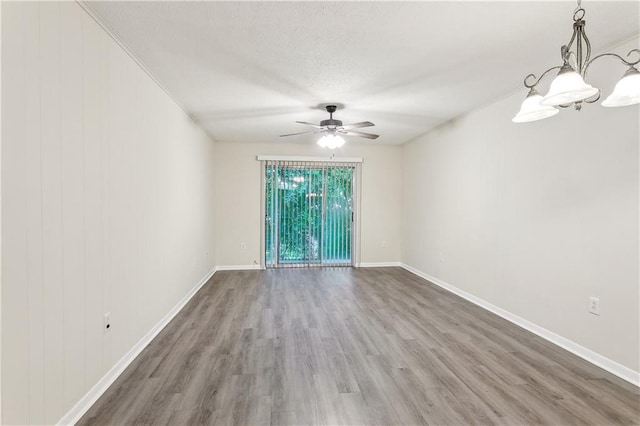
(320, 213)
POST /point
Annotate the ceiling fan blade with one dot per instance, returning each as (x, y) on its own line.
(358, 125)
(302, 133)
(361, 134)
(309, 124)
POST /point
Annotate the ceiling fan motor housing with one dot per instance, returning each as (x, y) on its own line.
(331, 123)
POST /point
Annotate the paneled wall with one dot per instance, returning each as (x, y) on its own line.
(107, 206)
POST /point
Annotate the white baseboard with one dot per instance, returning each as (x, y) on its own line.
(82, 406)
(238, 267)
(378, 264)
(605, 363)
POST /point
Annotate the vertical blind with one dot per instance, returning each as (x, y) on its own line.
(308, 213)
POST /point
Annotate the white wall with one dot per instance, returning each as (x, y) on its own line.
(535, 218)
(238, 198)
(107, 206)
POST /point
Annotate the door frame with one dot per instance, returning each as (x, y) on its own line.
(356, 198)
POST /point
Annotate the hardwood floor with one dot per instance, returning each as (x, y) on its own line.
(353, 346)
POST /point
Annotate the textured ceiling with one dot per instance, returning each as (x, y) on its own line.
(246, 71)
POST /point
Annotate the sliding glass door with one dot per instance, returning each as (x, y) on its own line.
(308, 214)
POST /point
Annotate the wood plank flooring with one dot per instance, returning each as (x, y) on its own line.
(353, 346)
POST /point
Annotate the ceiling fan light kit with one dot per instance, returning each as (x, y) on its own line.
(332, 130)
(569, 86)
(331, 141)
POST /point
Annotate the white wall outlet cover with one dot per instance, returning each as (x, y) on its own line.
(594, 305)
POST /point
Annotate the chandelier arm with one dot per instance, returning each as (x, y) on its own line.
(615, 55)
(565, 51)
(578, 32)
(531, 86)
(575, 59)
(579, 42)
(587, 43)
(637, 61)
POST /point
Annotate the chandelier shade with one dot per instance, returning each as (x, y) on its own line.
(568, 87)
(532, 110)
(627, 90)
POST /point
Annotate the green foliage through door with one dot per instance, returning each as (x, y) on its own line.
(309, 218)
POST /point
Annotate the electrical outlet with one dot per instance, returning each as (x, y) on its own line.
(243, 246)
(107, 322)
(441, 257)
(594, 305)
(384, 244)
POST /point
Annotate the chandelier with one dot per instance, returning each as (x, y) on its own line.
(569, 86)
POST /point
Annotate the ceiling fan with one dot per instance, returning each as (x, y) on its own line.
(332, 130)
